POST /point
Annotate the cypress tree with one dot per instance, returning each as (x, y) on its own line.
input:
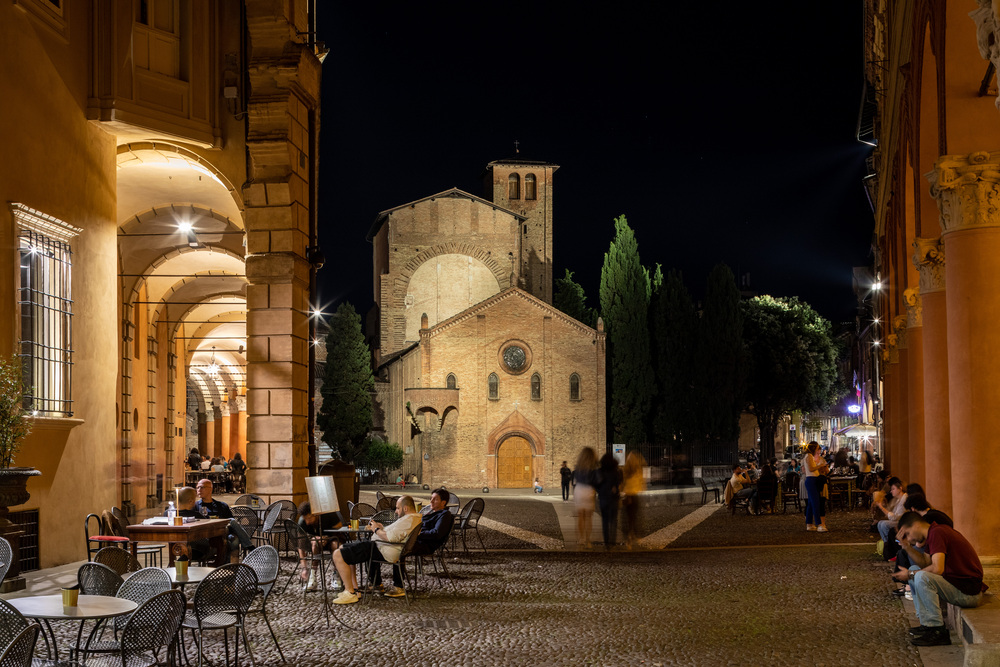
(673, 324)
(570, 298)
(348, 386)
(723, 376)
(625, 293)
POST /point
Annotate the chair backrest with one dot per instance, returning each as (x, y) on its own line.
(471, 513)
(299, 538)
(120, 518)
(385, 503)
(457, 504)
(20, 651)
(6, 556)
(379, 495)
(98, 579)
(411, 541)
(271, 517)
(120, 560)
(247, 518)
(264, 561)
(385, 517)
(86, 525)
(227, 589)
(141, 586)
(791, 482)
(151, 627)
(362, 511)
(247, 499)
(11, 623)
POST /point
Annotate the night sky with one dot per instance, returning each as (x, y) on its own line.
(723, 131)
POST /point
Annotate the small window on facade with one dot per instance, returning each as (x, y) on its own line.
(536, 387)
(529, 186)
(452, 382)
(574, 387)
(494, 385)
(513, 187)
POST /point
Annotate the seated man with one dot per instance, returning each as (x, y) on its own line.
(892, 507)
(950, 570)
(207, 506)
(917, 502)
(435, 529)
(196, 549)
(739, 485)
(314, 525)
(347, 557)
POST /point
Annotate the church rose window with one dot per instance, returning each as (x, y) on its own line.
(529, 186)
(513, 187)
(514, 357)
(494, 386)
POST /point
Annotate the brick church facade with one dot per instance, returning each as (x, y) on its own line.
(479, 379)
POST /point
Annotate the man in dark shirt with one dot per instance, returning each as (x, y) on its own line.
(435, 529)
(567, 475)
(950, 570)
(917, 502)
(207, 506)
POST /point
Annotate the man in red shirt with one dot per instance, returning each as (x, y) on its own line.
(950, 569)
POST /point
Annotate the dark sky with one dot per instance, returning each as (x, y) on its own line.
(723, 131)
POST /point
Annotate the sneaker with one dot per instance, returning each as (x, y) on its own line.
(936, 636)
(345, 598)
(335, 584)
(311, 585)
(919, 630)
(822, 529)
(394, 592)
(908, 595)
(810, 527)
(900, 592)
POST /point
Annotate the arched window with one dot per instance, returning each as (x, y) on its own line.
(536, 387)
(574, 387)
(529, 186)
(513, 187)
(494, 385)
(452, 382)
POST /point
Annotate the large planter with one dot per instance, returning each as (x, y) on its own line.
(13, 492)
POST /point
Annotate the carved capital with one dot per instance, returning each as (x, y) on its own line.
(987, 34)
(224, 409)
(890, 353)
(928, 257)
(967, 190)
(899, 332)
(240, 403)
(914, 308)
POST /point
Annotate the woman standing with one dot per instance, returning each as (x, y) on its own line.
(632, 485)
(583, 494)
(608, 495)
(814, 467)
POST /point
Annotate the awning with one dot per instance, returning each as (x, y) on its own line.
(858, 431)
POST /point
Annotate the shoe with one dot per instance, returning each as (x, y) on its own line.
(810, 527)
(937, 636)
(311, 585)
(899, 592)
(393, 592)
(919, 630)
(908, 595)
(368, 589)
(822, 529)
(335, 584)
(892, 560)
(345, 598)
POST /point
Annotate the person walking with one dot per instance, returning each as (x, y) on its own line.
(609, 497)
(814, 467)
(566, 475)
(585, 480)
(633, 484)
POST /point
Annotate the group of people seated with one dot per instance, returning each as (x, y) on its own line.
(236, 468)
(934, 562)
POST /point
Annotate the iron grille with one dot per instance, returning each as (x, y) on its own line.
(27, 521)
(46, 310)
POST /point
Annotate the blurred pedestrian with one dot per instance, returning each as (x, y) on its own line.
(814, 467)
(566, 476)
(633, 483)
(609, 497)
(584, 490)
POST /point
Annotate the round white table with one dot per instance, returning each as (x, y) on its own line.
(50, 608)
(195, 575)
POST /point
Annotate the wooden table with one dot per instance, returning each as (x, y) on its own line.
(213, 530)
(50, 607)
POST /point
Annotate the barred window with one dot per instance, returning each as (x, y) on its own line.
(46, 310)
(529, 186)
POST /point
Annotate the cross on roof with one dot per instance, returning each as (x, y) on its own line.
(516, 144)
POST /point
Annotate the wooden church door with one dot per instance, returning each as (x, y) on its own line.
(514, 464)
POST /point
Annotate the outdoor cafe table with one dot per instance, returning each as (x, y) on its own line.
(195, 575)
(50, 608)
(847, 484)
(213, 530)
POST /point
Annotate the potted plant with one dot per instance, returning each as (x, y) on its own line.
(15, 425)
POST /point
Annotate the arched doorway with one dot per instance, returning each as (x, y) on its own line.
(514, 463)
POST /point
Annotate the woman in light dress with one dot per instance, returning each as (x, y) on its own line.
(583, 494)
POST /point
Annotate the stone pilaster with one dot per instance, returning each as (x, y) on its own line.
(929, 258)
(967, 190)
(915, 389)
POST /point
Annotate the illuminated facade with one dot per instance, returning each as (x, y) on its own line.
(930, 110)
(160, 188)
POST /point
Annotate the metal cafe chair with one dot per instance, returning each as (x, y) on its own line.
(376, 559)
(20, 650)
(98, 579)
(103, 537)
(151, 627)
(12, 623)
(469, 520)
(139, 587)
(221, 601)
(248, 519)
(6, 557)
(264, 561)
(120, 560)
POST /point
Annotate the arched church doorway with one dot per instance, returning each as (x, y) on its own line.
(514, 463)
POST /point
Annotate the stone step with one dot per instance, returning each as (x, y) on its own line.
(979, 629)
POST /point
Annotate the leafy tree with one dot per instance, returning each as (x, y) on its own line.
(673, 325)
(383, 457)
(792, 362)
(625, 293)
(348, 384)
(570, 298)
(722, 376)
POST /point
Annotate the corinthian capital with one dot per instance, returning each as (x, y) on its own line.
(928, 257)
(890, 353)
(898, 335)
(240, 403)
(914, 308)
(967, 190)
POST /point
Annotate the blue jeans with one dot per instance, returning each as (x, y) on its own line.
(814, 507)
(928, 587)
(885, 527)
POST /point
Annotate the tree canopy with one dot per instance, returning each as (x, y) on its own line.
(674, 336)
(792, 362)
(348, 384)
(570, 298)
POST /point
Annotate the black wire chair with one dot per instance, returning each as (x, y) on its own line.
(98, 579)
(384, 517)
(251, 500)
(437, 559)
(376, 559)
(274, 523)
(361, 511)
(302, 542)
(152, 552)
(140, 587)
(12, 623)
(221, 602)
(248, 519)
(6, 556)
(149, 629)
(385, 503)
(20, 650)
(120, 560)
(469, 520)
(265, 563)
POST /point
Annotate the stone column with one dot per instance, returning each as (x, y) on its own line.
(216, 445)
(888, 404)
(282, 130)
(225, 426)
(928, 257)
(206, 430)
(901, 462)
(915, 387)
(240, 440)
(967, 189)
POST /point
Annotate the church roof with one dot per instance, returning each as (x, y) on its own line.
(511, 293)
(516, 162)
(453, 193)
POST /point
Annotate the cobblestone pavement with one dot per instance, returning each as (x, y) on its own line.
(732, 590)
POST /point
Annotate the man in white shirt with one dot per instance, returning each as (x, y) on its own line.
(347, 557)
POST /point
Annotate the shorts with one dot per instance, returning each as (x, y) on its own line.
(355, 553)
(583, 495)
